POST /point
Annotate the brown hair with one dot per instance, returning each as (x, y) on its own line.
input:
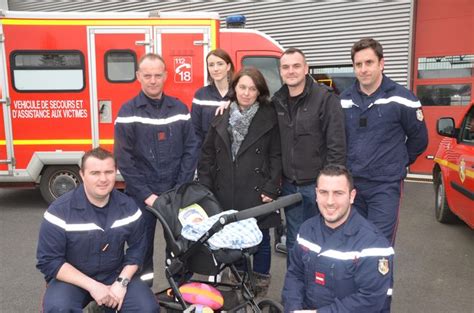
(293, 51)
(220, 53)
(98, 153)
(365, 43)
(258, 80)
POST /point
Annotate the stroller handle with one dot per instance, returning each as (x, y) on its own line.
(262, 209)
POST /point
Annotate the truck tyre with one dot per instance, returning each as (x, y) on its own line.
(442, 211)
(57, 180)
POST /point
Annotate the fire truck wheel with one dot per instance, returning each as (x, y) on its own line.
(57, 180)
(442, 211)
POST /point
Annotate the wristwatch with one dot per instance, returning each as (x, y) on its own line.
(123, 281)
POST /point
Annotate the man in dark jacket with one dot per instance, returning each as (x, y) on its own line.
(81, 245)
(311, 124)
(155, 144)
(385, 133)
(341, 263)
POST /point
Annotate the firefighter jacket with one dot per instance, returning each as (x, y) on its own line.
(71, 232)
(314, 135)
(205, 102)
(156, 148)
(385, 132)
(346, 271)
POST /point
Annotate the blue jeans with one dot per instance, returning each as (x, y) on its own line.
(262, 259)
(297, 213)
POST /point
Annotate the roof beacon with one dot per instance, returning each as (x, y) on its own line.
(235, 21)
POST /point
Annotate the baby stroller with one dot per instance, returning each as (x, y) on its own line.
(186, 257)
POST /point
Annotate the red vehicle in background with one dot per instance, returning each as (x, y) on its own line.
(453, 172)
(64, 77)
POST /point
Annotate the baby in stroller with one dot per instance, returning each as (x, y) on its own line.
(203, 256)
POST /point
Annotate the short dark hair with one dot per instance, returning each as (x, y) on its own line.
(365, 43)
(98, 153)
(152, 57)
(258, 80)
(221, 53)
(293, 50)
(337, 170)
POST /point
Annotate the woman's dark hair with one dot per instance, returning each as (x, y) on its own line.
(220, 53)
(258, 80)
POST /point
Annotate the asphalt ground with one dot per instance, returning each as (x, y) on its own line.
(434, 269)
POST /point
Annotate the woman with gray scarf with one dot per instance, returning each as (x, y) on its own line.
(241, 159)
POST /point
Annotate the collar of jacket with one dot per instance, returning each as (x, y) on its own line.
(260, 124)
(387, 86)
(215, 92)
(281, 96)
(143, 100)
(349, 228)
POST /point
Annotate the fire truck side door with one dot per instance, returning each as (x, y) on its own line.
(6, 141)
(184, 50)
(115, 54)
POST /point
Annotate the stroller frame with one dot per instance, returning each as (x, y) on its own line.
(178, 259)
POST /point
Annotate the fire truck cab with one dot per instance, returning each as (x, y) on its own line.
(64, 77)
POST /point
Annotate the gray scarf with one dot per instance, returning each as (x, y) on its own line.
(239, 123)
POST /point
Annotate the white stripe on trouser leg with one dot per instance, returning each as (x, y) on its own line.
(148, 276)
(389, 292)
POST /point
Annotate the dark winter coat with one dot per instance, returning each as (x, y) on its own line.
(257, 168)
(314, 136)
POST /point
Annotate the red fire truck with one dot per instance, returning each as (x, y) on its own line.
(64, 76)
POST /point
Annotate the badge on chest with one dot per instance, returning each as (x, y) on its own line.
(320, 278)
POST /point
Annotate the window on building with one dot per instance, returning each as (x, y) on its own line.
(444, 94)
(337, 77)
(120, 66)
(452, 66)
(269, 67)
(54, 71)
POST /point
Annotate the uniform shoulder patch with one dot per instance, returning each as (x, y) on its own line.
(419, 115)
(383, 267)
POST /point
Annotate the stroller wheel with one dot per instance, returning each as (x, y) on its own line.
(270, 306)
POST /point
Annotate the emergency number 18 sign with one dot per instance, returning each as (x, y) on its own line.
(183, 70)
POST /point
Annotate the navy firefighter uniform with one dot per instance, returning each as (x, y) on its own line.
(339, 270)
(205, 102)
(92, 240)
(156, 150)
(385, 133)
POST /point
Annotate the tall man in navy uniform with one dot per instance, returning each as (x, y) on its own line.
(340, 262)
(81, 245)
(385, 133)
(155, 145)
